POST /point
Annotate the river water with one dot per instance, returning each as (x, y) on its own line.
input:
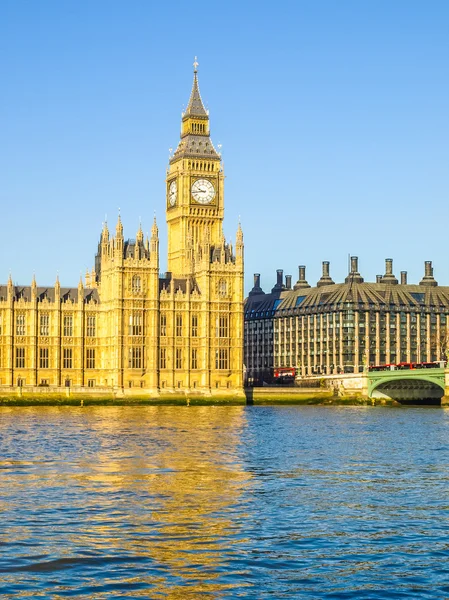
(224, 502)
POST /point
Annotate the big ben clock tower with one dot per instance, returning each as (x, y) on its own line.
(195, 187)
(201, 300)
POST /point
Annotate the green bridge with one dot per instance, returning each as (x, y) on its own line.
(407, 385)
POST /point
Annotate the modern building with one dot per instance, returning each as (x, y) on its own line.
(342, 328)
(128, 328)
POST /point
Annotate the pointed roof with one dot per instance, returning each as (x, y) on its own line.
(119, 226)
(195, 107)
(105, 232)
(154, 229)
(239, 236)
(139, 235)
(195, 142)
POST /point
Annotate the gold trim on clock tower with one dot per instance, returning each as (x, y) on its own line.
(198, 216)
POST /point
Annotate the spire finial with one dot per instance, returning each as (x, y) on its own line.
(195, 65)
(154, 229)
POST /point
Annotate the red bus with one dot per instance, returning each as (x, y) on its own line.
(403, 366)
(284, 374)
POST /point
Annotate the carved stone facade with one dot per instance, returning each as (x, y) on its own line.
(128, 328)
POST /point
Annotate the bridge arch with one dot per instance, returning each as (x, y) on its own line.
(417, 389)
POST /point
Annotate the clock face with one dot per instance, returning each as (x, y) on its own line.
(172, 193)
(203, 191)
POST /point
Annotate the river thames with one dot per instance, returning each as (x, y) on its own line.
(224, 502)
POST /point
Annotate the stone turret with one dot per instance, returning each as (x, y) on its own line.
(80, 291)
(10, 288)
(239, 244)
(119, 241)
(139, 235)
(105, 233)
(154, 244)
(34, 289)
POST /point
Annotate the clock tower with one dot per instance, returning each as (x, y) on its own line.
(195, 188)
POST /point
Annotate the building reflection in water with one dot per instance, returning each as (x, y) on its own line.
(170, 480)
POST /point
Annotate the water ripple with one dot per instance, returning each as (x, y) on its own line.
(232, 502)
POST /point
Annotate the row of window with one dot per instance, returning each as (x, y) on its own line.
(135, 325)
(221, 327)
(135, 358)
(43, 361)
(44, 325)
(221, 358)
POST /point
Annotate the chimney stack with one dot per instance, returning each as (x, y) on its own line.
(279, 281)
(256, 289)
(288, 282)
(301, 283)
(325, 279)
(280, 276)
(403, 277)
(428, 275)
(378, 278)
(354, 275)
(389, 277)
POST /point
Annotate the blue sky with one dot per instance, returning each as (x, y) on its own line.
(333, 118)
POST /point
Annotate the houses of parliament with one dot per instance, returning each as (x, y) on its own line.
(127, 328)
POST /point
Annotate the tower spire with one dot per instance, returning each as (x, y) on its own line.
(139, 235)
(154, 229)
(119, 226)
(195, 107)
(195, 133)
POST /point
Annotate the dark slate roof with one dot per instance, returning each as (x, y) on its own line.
(191, 145)
(135, 249)
(195, 146)
(166, 283)
(66, 294)
(195, 107)
(361, 296)
(216, 253)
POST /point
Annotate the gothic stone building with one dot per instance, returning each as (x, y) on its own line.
(341, 328)
(128, 328)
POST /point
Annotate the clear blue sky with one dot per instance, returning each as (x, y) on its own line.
(333, 118)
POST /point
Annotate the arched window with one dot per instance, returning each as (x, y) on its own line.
(163, 325)
(222, 288)
(222, 326)
(194, 325)
(136, 284)
(178, 325)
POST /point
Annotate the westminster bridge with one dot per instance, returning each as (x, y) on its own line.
(415, 385)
